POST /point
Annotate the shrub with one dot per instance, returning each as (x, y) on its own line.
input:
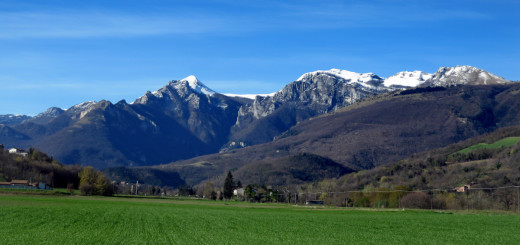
(93, 182)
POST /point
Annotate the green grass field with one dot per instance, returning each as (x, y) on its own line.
(505, 142)
(27, 219)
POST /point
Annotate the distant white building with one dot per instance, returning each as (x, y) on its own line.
(18, 152)
(239, 192)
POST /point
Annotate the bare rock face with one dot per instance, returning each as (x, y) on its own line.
(198, 109)
(312, 94)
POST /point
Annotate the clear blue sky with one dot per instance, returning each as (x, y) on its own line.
(61, 53)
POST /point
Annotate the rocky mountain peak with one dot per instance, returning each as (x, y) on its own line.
(314, 93)
(183, 88)
(82, 106)
(80, 110)
(460, 75)
(51, 112)
(47, 115)
(330, 85)
(365, 79)
(193, 83)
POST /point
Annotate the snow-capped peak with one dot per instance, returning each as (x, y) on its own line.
(182, 87)
(458, 70)
(353, 77)
(446, 76)
(196, 85)
(407, 79)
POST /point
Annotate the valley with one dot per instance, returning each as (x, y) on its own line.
(259, 122)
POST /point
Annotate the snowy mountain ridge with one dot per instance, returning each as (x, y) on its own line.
(407, 79)
(445, 76)
(364, 79)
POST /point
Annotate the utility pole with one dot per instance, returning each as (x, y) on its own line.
(467, 197)
(399, 198)
(431, 202)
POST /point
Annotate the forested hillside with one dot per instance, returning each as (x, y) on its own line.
(38, 167)
(491, 160)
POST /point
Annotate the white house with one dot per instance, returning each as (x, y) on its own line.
(18, 152)
(239, 192)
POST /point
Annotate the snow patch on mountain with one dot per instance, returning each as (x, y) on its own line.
(249, 96)
(181, 85)
(364, 79)
(407, 79)
(82, 106)
(447, 76)
(82, 109)
(196, 85)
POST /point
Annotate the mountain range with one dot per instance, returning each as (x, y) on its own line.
(187, 120)
(373, 132)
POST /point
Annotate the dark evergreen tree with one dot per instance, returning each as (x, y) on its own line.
(228, 186)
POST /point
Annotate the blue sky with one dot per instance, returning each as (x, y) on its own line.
(61, 53)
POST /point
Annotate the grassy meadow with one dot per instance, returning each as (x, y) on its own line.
(31, 219)
(506, 142)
